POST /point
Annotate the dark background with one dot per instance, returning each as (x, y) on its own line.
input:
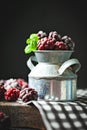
(20, 18)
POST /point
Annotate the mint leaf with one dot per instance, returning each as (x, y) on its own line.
(33, 36)
(32, 43)
(28, 40)
(27, 49)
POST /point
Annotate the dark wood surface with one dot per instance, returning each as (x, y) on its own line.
(22, 116)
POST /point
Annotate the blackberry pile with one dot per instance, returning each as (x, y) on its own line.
(12, 89)
(54, 41)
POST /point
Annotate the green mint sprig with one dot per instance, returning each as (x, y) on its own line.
(31, 43)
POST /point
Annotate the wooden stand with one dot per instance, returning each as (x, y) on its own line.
(23, 116)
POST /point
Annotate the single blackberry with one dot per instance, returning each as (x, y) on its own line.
(15, 83)
(22, 83)
(41, 34)
(2, 82)
(28, 94)
(54, 35)
(11, 83)
(68, 41)
(12, 94)
(46, 44)
(60, 46)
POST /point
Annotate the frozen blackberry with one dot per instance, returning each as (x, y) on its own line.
(11, 83)
(46, 44)
(68, 41)
(41, 34)
(2, 82)
(22, 83)
(54, 35)
(12, 94)
(60, 46)
(28, 94)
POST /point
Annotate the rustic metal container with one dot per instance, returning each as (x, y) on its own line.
(54, 77)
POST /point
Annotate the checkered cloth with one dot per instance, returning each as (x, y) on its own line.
(70, 115)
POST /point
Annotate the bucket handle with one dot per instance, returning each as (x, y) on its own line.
(73, 63)
(29, 62)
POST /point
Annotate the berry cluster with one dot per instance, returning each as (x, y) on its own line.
(11, 89)
(54, 41)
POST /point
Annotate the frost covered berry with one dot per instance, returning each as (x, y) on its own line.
(12, 94)
(60, 46)
(22, 83)
(11, 83)
(41, 34)
(28, 94)
(68, 41)
(46, 44)
(15, 83)
(54, 35)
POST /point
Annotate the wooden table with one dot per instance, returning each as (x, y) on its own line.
(23, 116)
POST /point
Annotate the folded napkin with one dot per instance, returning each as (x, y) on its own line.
(70, 115)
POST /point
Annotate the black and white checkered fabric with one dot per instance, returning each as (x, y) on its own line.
(70, 115)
